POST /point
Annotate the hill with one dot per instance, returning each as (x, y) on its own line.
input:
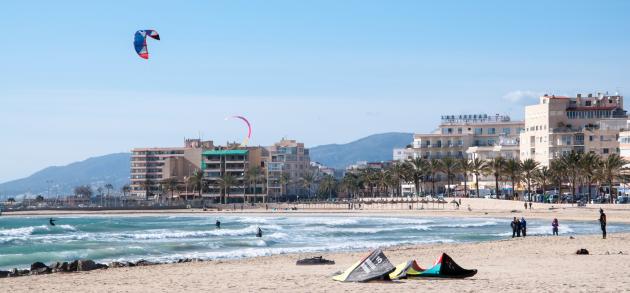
(112, 168)
(377, 147)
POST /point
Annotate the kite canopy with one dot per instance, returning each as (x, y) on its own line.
(374, 266)
(140, 42)
(445, 267)
(249, 129)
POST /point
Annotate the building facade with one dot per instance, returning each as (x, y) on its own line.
(558, 125)
(288, 159)
(217, 164)
(457, 133)
(151, 167)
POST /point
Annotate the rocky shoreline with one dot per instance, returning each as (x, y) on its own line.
(80, 265)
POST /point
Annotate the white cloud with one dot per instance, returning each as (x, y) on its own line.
(522, 97)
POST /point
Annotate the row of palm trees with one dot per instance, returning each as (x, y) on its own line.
(571, 169)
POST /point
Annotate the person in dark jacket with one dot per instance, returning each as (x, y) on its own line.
(602, 222)
(218, 224)
(518, 228)
(554, 225)
(513, 225)
(523, 226)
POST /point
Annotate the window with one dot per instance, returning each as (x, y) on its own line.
(492, 130)
(459, 130)
(590, 138)
(506, 131)
(478, 131)
(605, 151)
(490, 142)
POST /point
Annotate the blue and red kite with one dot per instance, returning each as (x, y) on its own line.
(140, 42)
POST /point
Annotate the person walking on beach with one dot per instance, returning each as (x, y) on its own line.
(530, 205)
(554, 225)
(524, 226)
(602, 222)
(518, 228)
(513, 224)
(525, 204)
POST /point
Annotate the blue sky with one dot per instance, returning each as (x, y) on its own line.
(322, 72)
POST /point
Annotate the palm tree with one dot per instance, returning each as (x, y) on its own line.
(400, 172)
(225, 183)
(327, 186)
(252, 176)
(589, 166)
(542, 176)
(611, 168)
(557, 174)
(125, 189)
(513, 171)
(285, 179)
(478, 167)
(434, 167)
(449, 166)
(351, 183)
(170, 184)
(307, 180)
(383, 181)
(417, 171)
(465, 168)
(196, 180)
(496, 166)
(529, 167)
(571, 163)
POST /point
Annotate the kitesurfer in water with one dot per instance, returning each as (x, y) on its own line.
(51, 221)
(218, 224)
(259, 233)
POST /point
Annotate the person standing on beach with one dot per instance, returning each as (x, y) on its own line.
(602, 222)
(530, 205)
(525, 204)
(518, 228)
(524, 226)
(554, 224)
(513, 224)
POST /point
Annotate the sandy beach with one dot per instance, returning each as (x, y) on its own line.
(534, 264)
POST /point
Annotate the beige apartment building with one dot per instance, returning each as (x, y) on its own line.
(559, 125)
(150, 167)
(233, 161)
(286, 157)
(462, 136)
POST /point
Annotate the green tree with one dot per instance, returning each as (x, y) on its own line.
(418, 170)
(542, 176)
(449, 167)
(307, 179)
(465, 168)
(225, 184)
(589, 165)
(571, 163)
(611, 169)
(496, 166)
(529, 167)
(478, 168)
(433, 169)
(513, 171)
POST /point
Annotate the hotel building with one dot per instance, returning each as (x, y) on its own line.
(150, 167)
(559, 125)
(235, 162)
(467, 135)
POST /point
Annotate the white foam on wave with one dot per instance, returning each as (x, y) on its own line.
(465, 225)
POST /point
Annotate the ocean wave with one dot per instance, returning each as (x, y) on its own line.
(465, 225)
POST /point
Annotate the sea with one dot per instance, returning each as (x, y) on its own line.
(24, 240)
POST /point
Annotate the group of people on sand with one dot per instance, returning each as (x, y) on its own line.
(519, 227)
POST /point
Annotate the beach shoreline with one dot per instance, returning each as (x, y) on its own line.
(480, 208)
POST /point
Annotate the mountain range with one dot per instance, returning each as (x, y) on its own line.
(114, 168)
